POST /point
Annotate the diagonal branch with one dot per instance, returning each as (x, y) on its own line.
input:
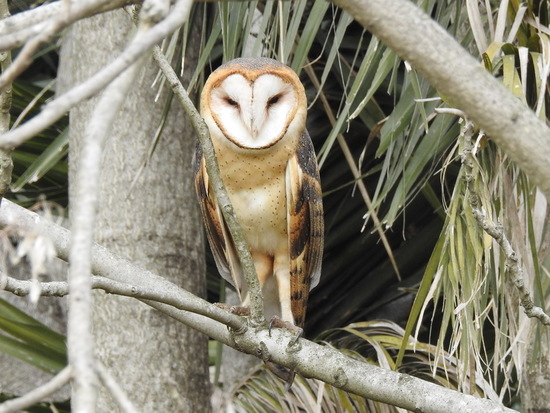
(55, 25)
(38, 394)
(126, 406)
(57, 108)
(249, 271)
(19, 28)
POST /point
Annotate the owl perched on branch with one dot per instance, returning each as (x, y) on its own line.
(255, 109)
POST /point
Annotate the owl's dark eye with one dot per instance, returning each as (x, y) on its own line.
(231, 102)
(273, 99)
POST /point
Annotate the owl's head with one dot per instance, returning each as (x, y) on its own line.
(254, 102)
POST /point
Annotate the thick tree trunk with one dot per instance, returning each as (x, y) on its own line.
(161, 364)
(535, 397)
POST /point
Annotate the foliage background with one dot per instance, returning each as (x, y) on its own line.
(401, 243)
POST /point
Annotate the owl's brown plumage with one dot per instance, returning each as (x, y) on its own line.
(255, 109)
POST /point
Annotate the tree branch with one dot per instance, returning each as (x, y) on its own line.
(249, 271)
(175, 297)
(410, 33)
(38, 394)
(54, 26)
(116, 391)
(337, 369)
(54, 110)
(106, 264)
(6, 162)
(16, 30)
(513, 268)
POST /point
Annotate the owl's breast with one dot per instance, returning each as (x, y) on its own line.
(262, 215)
(256, 187)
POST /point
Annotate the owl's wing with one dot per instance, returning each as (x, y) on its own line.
(219, 238)
(305, 225)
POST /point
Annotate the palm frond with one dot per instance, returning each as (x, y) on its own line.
(467, 278)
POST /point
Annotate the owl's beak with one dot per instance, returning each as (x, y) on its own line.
(251, 120)
(253, 128)
(256, 119)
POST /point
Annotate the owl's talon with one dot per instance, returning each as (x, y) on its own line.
(234, 309)
(274, 320)
(299, 332)
(277, 322)
(284, 373)
(240, 310)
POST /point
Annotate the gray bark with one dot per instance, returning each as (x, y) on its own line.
(535, 397)
(161, 364)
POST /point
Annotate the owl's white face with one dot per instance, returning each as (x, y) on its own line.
(253, 114)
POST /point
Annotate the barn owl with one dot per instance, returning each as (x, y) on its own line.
(255, 110)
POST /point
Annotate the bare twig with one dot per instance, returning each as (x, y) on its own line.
(174, 296)
(65, 18)
(16, 30)
(58, 107)
(156, 9)
(116, 391)
(496, 231)
(249, 271)
(38, 394)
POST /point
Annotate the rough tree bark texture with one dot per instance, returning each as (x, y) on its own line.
(161, 364)
(535, 397)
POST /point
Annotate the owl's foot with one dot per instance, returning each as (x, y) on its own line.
(284, 373)
(277, 322)
(234, 309)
